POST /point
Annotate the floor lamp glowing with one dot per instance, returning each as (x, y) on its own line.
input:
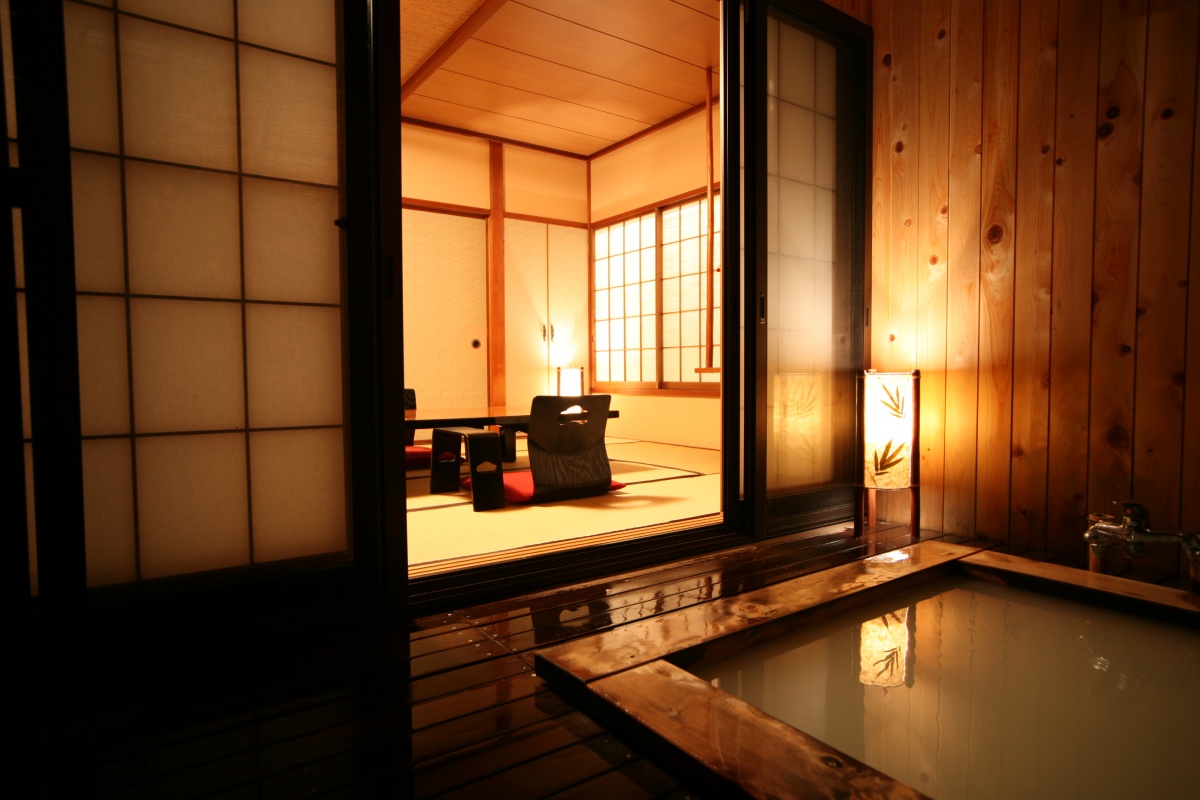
(889, 406)
(570, 381)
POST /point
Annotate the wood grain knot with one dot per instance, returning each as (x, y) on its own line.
(945, 210)
(995, 234)
(942, 33)
(933, 259)
(887, 60)
(1113, 112)
(1058, 161)
(1017, 450)
(899, 147)
(1167, 113)
(1117, 437)
(1125, 349)
(831, 762)
(1178, 379)
(1045, 149)
(1104, 131)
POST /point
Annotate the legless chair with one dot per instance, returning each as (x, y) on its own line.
(567, 457)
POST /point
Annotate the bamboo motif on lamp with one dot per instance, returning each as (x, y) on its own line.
(889, 405)
(885, 649)
(888, 429)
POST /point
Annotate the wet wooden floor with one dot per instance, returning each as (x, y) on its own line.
(449, 706)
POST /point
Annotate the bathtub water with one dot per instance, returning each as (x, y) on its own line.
(921, 671)
(964, 689)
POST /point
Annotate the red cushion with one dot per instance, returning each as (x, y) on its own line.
(416, 457)
(518, 485)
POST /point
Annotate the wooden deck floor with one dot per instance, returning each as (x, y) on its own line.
(449, 707)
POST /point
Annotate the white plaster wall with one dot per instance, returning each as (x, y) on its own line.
(444, 167)
(691, 421)
(667, 163)
(544, 184)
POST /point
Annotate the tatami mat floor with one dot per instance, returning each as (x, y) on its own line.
(664, 483)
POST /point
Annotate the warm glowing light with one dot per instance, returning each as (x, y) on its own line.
(799, 417)
(884, 648)
(890, 557)
(889, 411)
(570, 381)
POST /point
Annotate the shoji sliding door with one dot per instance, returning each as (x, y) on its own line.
(210, 327)
(206, 179)
(810, 299)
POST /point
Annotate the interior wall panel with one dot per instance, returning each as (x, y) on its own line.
(1032, 283)
(667, 164)
(444, 168)
(545, 185)
(1118, 132)
(1001, 29)
(1078, 199)
(1168, 119)
(932, 235)
(962, 294)
(1082, 318)
(894, 338)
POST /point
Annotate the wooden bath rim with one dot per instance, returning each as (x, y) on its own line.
(633, 678)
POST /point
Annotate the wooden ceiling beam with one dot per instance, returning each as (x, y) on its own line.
(473, 23)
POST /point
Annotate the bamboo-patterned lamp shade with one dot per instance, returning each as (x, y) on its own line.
(889, 409)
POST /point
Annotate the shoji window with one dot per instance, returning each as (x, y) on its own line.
(205, 186)
(650, 323)
(625, 309)
(685, 293)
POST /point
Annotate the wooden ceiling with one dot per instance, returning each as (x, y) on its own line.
(576, 76)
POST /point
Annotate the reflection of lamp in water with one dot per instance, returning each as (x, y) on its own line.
(797, 419)
(885, 649)
(570, 381)
(889, 408)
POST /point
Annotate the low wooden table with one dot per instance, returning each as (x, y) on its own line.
(510, 419)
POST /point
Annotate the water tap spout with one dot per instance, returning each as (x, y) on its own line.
(1133, 533)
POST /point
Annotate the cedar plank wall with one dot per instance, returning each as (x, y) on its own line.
(1036, 185)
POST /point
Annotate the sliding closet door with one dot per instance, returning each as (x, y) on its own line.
(445, 309)
(545, 302)
(526, 326)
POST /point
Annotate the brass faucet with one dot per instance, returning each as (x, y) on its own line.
(1132, 534)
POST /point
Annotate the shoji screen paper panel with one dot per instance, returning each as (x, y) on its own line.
(208, 267)
(801, 153)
